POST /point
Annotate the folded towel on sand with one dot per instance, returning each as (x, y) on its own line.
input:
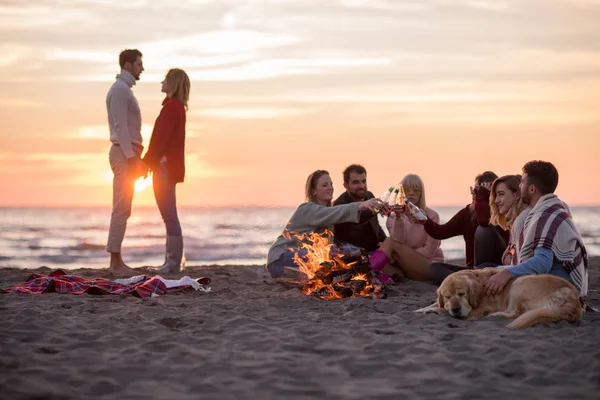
(139, 286)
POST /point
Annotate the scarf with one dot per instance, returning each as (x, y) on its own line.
(549, 225)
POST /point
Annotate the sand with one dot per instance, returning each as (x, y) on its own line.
(252, 338)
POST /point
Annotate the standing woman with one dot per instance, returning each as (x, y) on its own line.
(165, 158)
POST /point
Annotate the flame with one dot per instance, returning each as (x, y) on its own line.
(318, 248)
(143, 183)
(361, 277)
(318, 265)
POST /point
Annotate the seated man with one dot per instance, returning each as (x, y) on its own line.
(551, 244)
(367, 234)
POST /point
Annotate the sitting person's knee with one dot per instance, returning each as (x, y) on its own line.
(275, 270)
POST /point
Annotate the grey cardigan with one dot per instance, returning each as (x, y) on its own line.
(312, 217)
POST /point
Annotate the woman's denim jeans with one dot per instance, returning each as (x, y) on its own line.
(164, 193)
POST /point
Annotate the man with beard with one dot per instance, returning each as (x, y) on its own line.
(125, 124)
(367, 233)
(550, 244)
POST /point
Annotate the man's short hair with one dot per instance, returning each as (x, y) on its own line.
(542, 174)
(129, 56)
(356, 168)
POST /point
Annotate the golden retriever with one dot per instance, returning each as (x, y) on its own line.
(531, 299)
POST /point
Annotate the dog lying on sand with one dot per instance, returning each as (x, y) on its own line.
(531, 299)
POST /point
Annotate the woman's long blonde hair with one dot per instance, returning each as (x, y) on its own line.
(415, 181)
(178, 85)
(505, 221)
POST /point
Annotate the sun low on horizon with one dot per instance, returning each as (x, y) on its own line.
(442, 88)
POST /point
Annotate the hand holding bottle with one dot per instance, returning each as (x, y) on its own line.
(415, 214)
(398, 211)
(370, 204)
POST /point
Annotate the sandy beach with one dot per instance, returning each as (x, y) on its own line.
(252, 338)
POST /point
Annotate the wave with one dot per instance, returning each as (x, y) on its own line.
(241, 227)
(147, 236)
(86, 246)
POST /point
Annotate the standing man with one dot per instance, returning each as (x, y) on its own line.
(551, 244)
(125, 124)
(367, 233)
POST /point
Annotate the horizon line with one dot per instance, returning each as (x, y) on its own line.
(108, 206)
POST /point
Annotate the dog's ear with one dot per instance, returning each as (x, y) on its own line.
(440, 299)
(475, 292)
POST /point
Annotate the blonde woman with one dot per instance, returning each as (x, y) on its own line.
(508, 211)
(316, 215)
(165, 158)
(414, 248)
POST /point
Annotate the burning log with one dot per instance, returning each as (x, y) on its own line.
(348, 275)
(345, 280)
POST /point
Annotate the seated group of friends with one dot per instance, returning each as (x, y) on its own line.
(514, 222)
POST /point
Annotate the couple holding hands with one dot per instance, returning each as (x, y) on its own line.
(164, 157)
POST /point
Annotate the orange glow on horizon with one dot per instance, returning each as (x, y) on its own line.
(439, 95)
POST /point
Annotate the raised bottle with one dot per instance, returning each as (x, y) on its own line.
(401, 199)
(416, 212)
(392, 200)
(383, 199)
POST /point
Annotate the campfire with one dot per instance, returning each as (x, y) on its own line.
(348, 275)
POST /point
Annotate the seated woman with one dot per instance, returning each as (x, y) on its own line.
(507, 211)
(466, 221)
(490, 242)
(414, 248)
(314, 216)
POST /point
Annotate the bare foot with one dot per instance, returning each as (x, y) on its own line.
(121, 269)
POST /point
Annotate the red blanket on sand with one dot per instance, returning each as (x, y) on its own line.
(59, 282)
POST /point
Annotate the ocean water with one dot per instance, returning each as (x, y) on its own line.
(75, 237)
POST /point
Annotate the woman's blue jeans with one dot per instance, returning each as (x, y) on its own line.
(164, 193)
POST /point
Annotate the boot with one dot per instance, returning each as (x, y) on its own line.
(174, 256)
(378, 260)
(166, 253)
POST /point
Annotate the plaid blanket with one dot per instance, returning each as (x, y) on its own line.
(59, 282)
(549, 225)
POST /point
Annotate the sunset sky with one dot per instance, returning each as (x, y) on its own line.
(441, 88)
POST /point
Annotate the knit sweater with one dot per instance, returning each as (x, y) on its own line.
(414, 235)
(367, 233)
(462, 223)
(124, 116)
(168, 139)
(516, 238)
(308, 218)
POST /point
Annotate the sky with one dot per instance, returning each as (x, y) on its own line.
(445, 89)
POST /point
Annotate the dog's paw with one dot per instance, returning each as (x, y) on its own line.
(429, 310)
